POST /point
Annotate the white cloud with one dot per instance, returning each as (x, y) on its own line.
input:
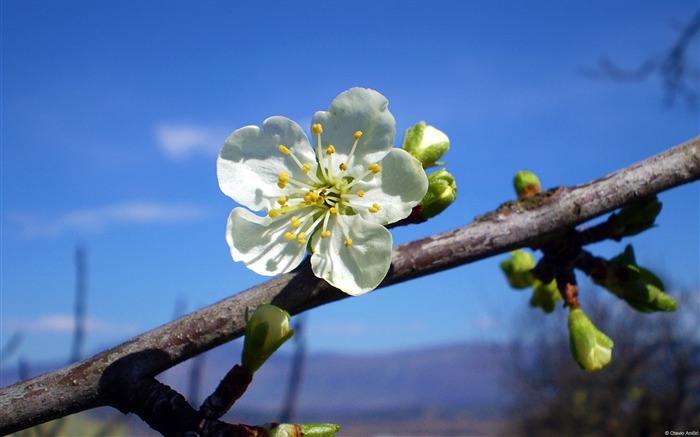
(95, 220)
(64, 324)
(180, 141)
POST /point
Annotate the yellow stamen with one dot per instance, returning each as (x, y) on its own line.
(282, 181)
(310, 197)
(295, 222)
(361, 193)
(301, 238)
(283, 200)
(316, 129)
(374, 168)
(289, 236)
(284, 150)
(348, 242)
(375, 208)
(330, 150)
(357, 135)
(325, 234)
(333, 210)
(273, 213)
(343, 166)
(305, 168)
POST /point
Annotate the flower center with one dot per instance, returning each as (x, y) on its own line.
(324, 194)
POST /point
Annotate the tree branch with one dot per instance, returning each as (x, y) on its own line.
(530, 222)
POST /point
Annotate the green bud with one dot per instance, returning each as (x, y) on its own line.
(545, 296)
(426, 144)
(591, 349)
(526, 184)
(319, 429)
(266, 330)
(294, 430)
(635, 217)
(518, 269)
(639, 287)
(442, 192)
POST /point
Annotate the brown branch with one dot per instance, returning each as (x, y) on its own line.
(531, 222)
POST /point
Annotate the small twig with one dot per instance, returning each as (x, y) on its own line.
(229, 390)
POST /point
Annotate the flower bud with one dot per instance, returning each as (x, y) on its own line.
(426, 144)
(639, 287)
(591, 349)
(635, 217)
(518, 269)
(545, 296)
(306, 430)
(442, 191)
(526, 184)
(266, 330)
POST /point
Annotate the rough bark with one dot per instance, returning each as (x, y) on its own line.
(528, 223)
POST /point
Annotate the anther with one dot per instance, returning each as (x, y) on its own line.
(357, 135)
(325, 234)
(295, 222)
(305, 168)
(283, 200)
(330, 150)
(316, 129)
(333, 210)
(284, 150)
(301, 238)
(282, 181)
(374, 168)
(348, 242)
(361, 193)
(374, 208)
(289, 236)
(273, 213)
(343, 166)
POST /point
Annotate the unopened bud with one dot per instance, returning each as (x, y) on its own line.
(639, 287)
(266, 330)
(518, 269)
(442, 192)
(526, 184)
(635, 217)
(591, 349)
(545, 296)
(426, 144)
(294, 430)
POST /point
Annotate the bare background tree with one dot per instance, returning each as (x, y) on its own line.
(676, 67)
(652, 385)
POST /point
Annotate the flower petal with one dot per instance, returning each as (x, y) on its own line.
(356, 268)
(397, 188)
(358, 109)
(250, 161)
(259, 242)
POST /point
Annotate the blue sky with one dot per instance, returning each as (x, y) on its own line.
(113, 113)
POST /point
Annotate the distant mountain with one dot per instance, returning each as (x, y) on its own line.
(464, 376)
(457, 383)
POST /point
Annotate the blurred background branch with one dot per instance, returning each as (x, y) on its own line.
(679, 75)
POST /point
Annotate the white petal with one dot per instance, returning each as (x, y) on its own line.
(259, 242)
(250, 161)
(358, 109)
(359, 267)
(397, 188)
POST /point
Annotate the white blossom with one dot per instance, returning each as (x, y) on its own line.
(332, 199)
